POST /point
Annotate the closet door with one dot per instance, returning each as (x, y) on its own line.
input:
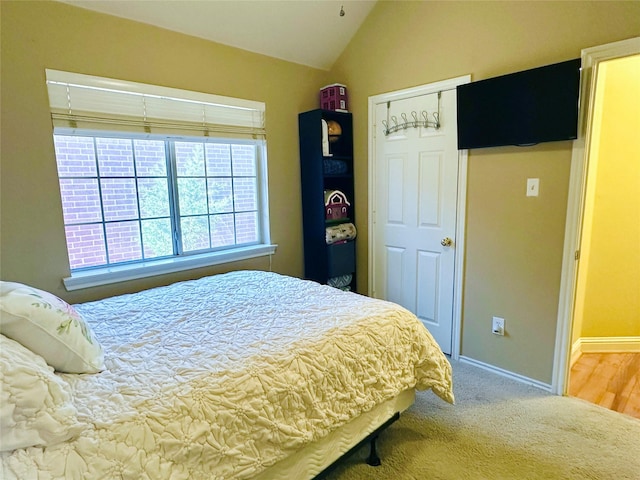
(416, 174)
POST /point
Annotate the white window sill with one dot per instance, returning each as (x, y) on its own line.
(123, 273)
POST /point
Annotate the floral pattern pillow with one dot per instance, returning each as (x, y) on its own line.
(35, 406)
(50, 327)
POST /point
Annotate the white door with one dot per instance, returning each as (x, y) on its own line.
(414, 213)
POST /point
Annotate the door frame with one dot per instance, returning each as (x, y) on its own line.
(461, 202)
(591, 58)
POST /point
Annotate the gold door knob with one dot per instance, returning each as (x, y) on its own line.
(446, 242)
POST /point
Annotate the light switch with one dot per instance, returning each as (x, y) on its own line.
(533, 185)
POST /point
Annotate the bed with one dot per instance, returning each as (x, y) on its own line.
(241, 375)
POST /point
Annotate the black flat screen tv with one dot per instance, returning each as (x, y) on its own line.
(522, 108)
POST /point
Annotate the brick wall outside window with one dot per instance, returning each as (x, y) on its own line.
(117, 193)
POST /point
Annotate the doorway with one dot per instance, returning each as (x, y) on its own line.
(599, 300)
(416, 206)
(606, 319)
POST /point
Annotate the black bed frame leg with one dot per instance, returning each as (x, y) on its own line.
(373, 459)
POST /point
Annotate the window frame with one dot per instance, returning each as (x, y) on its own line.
(106, 274)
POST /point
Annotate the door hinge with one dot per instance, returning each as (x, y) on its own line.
(577, 255)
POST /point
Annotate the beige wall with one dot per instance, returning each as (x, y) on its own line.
(514, 256)
(401, 44)
(610, 306)
(39, 35)
(514, 243)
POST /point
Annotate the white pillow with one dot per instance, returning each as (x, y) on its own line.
(50, 327)
(35, 407)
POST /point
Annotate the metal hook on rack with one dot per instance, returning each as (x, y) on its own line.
(436, 117)
(405, 123)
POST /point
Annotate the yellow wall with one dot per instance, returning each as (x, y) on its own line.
(514, 243)
(610, 306)
(39, 35)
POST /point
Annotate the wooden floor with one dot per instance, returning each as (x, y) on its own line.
(611, 380)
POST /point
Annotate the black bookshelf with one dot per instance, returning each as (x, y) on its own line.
(320, 173)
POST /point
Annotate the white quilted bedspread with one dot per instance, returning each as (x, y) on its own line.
(221, 377)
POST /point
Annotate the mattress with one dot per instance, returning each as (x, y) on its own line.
(226, 376)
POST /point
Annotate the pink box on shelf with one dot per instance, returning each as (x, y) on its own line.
(334, 97)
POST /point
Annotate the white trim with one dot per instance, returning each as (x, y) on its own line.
(506, 373)
(123, 273)
(461, 198)
(576, 351)
(591, 57)
(461, 221)
(419, 90)
(607, 345)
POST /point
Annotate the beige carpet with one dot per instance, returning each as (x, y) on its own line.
(502, 429)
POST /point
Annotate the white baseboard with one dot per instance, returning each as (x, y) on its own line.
(576, 351)
(604, 345)
(506, 373)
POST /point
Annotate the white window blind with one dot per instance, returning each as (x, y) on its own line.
(87, 102)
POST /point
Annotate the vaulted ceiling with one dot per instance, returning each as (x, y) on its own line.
(308, 32)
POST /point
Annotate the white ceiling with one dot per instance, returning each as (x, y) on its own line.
(308, 32)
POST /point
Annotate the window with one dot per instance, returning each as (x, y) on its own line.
(137, 202)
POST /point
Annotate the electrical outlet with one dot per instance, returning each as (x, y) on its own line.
(497, 327)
